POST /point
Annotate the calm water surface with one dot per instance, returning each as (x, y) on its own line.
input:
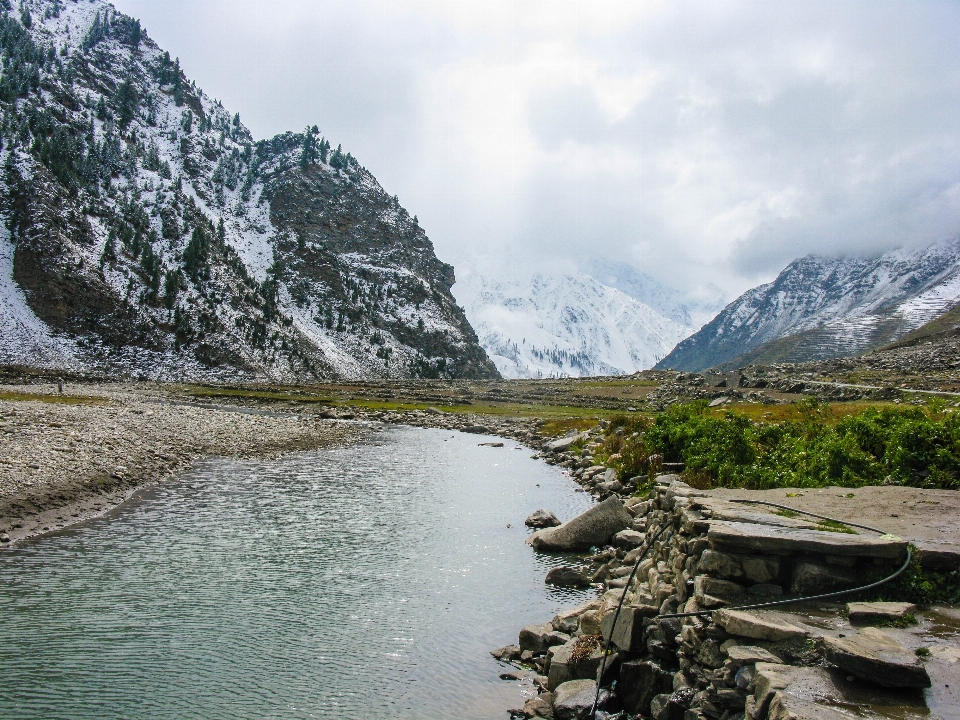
(367, 581)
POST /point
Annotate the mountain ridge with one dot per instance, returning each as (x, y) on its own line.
(820, 307)
(148, 233)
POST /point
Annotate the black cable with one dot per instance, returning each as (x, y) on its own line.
(774, 603)
(623, 596)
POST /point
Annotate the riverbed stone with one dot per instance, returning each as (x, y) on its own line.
(542, 519)
(567, 577)
(567, 621)
(784, 706)
(757, 626)
(875, 655)
(720, 564)
(594, 527)
(574, 700)
(507, 653)
(866, 613)
(538, 638)
(540, 706)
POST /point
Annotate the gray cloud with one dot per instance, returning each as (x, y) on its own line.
(702, 141)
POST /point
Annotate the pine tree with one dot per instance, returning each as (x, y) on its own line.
(309, 154)
(127, 101)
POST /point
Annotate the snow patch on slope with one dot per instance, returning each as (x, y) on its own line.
(24, 334)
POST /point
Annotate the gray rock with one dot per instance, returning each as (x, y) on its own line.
(573, 700)
(811, 578)
(720, 564)
(540, 706)
(573, 661)
(784, 706)
(761, 568)
(510, 652)
(567, 577)
(594, 527)
(564, 443)
(628, 634)
(542, 519)
(538, 638)
(629, 539)
(769, 539)
(866, 613)
(740, 655)
(876, 656)
(757, 626)
(639, 681)
(711, 592)
(658, 704)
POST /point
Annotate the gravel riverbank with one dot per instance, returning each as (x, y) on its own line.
(67, 458)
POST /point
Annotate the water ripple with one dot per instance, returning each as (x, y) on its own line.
(361, 582)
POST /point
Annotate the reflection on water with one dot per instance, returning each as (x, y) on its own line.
(359, 582)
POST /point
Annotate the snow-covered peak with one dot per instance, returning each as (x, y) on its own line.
(563, 325)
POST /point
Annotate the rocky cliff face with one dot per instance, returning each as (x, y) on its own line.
(147, 232)
(822, 308)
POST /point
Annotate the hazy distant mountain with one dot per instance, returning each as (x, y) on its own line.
(692, 309)
(543, 325)
(145, 231)
(823, 307)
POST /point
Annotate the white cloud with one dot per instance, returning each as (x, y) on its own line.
(705, 141)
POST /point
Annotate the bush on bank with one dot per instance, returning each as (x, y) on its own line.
(913, 446)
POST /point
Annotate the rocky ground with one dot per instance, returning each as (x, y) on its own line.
(704, 554)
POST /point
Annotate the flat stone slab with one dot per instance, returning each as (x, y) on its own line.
(741, 655)
(744, 623)
(939, 555)
(874, 655)
(811, 693)
(752, 537)
(865, 613)
(725, 510)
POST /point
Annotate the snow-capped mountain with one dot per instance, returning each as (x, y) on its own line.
(564, 325)
(147, 232)
(693, 308)
(822, 307)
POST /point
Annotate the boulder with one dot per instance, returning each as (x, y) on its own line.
(540, 706)
(567, 621)
(756, 626)
(538, 638)
(867, 613)
(510, 652)
(577, 659)
(594, 527)
(564, 443)
(876, 656)
(567, 577)
(542, 519)
(573, 700)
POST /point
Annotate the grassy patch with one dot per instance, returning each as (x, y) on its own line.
(54, 399)
(805, 445)
(834, 526)
(273, 395)
(782, 512)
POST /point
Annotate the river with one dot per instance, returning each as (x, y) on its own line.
(365, 581)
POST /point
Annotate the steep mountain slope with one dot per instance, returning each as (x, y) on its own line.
(147, 232)
(692, 309)
(821, 308)
(564, 326)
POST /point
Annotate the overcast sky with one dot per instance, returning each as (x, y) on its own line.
(700, 141)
